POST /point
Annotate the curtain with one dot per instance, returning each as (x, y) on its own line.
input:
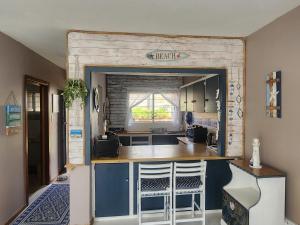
(133, 99)
(137, 96)
(173, 98)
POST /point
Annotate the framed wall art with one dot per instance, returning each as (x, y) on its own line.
(273, 95)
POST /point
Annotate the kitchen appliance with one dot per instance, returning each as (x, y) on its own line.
(197, 134)
(107, 145)
(211, 138)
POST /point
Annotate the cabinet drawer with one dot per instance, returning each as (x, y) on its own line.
(233, 213)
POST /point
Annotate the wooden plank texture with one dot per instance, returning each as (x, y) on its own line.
(130, 50)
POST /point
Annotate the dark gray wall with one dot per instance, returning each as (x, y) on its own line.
(117, 86)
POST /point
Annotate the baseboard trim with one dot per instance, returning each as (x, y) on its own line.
(289, 222)
(92, 221)
(286, 222)
(15, 215)
(101, 219)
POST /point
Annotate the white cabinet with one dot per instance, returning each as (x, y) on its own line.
(254, 196)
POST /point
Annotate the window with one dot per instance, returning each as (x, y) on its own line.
(33, 102)
(150, 109)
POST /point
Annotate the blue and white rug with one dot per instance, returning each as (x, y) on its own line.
(51, 208)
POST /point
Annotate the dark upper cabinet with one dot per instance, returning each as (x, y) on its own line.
(212, 84)
(190, 98)
(199, 95)
(183, 99)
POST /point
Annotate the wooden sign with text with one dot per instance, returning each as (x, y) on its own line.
(166, 55)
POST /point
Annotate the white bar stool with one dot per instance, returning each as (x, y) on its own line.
(189, 179)
(155, 180)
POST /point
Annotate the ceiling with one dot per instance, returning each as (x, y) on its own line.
(42, 24)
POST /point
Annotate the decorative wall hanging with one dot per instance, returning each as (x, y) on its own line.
(239, 98)
(75, 89)
(96, 100)
(218, 112)
(166, 53)
(12, 114)
(76, 133)
(273, 95)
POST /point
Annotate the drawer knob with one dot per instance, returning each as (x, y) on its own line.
(231, 205)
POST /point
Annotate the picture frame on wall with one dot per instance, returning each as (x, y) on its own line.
(273, 95)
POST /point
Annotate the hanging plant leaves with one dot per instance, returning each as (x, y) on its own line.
(75, 89)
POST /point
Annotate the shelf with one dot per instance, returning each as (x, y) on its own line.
(264, 172)
(247, 197)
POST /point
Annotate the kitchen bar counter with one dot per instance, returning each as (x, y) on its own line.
(115, 179)
(146, 153)
(141, 133)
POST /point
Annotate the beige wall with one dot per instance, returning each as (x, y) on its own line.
(15, 61)
(276, 47)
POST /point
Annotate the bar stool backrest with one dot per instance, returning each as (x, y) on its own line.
(162, 174)
(196, 169)
(155, 171)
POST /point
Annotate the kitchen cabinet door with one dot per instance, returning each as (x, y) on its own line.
(111, 189)
(212, 84)
(199, 96)
(183, 99)
(190, 99)
(125, 140)
(165, 139)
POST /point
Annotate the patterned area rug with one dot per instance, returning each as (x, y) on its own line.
(51, 208)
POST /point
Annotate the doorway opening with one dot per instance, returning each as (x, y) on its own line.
(61, 131)
(36, 110)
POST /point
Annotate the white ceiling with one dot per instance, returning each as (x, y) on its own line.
(42, 24)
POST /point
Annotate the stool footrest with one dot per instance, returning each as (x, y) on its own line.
(189, 220)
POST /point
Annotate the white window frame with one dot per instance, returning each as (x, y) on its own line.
(174, 125)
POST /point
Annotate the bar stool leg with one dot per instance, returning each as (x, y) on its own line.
(169, 200)
(139, 209)
(203, 207)
(170, 208)
(193, 204)
(165, 207)
(174, 207)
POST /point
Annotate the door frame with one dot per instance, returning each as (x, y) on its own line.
(44, 132)
(62, 133)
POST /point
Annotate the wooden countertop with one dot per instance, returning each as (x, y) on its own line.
(146, 133)
(264, 172)
(146, 153)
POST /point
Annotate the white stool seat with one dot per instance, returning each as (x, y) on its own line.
(183, 183)
(158, 184)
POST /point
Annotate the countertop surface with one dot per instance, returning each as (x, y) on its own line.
(264, 172)
(147, 153)
(147, 133)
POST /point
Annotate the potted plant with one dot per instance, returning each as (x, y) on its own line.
(75, 89)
